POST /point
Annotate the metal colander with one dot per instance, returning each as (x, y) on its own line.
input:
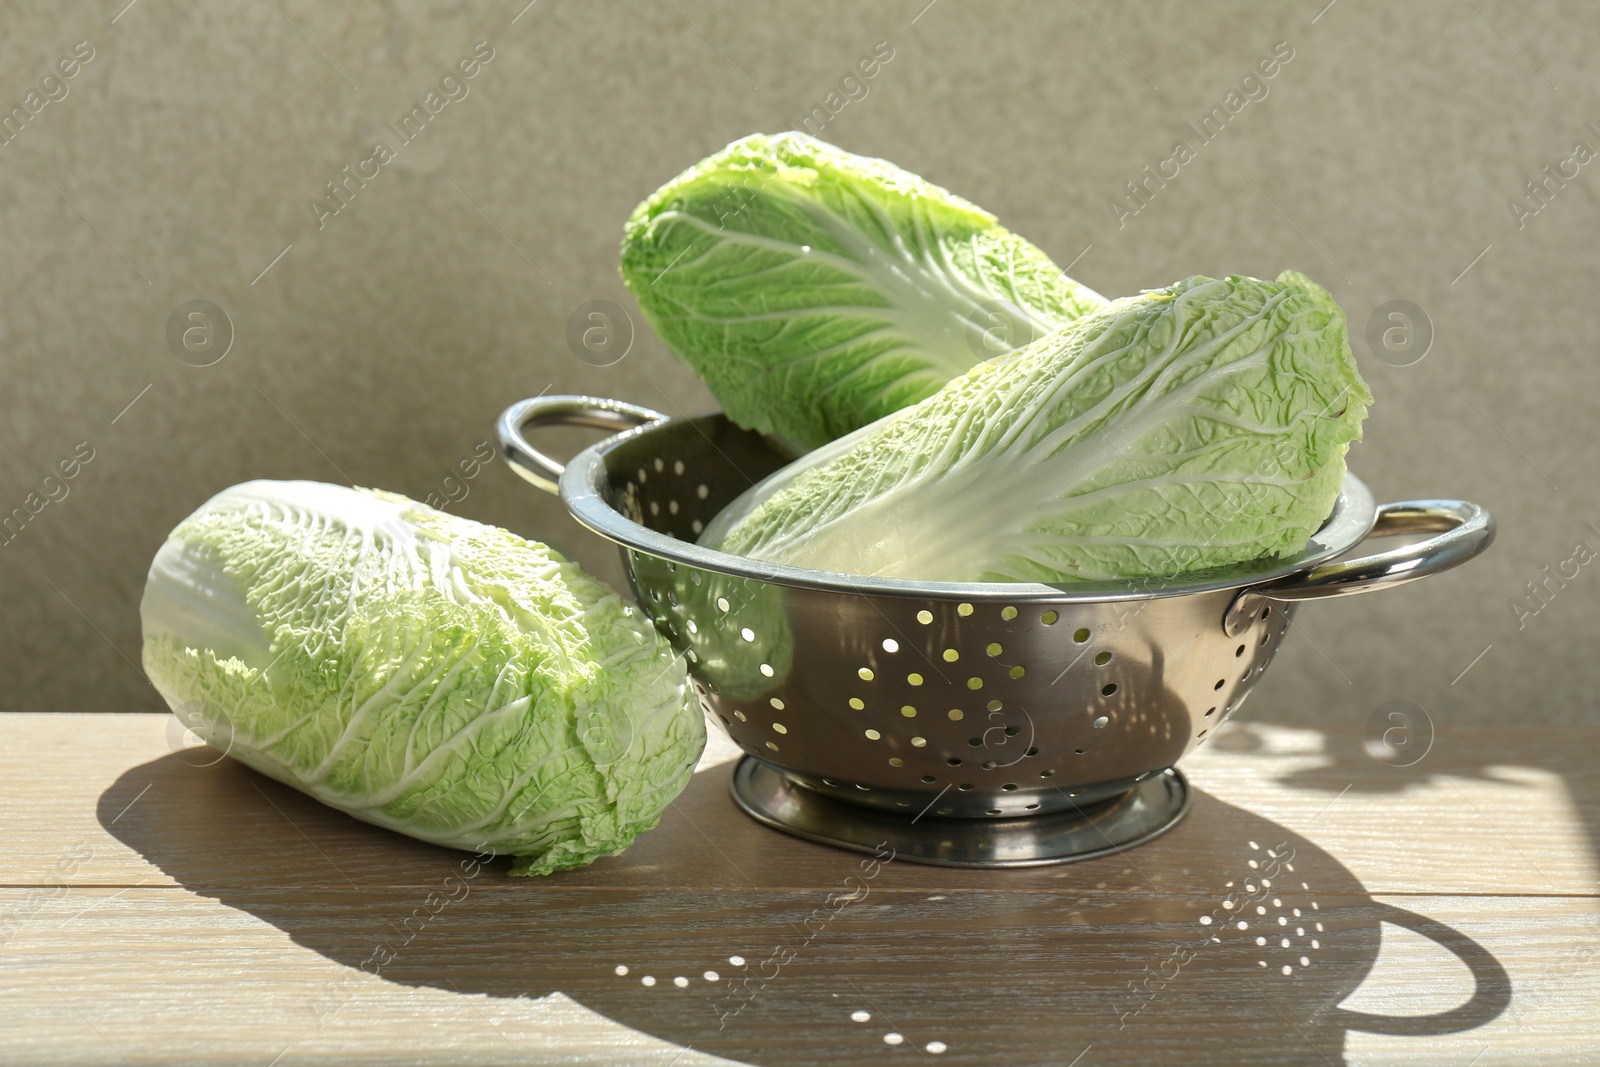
(960, 724)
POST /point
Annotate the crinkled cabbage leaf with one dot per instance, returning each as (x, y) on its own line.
(1182, 429)
(420, 671)
(816, 291)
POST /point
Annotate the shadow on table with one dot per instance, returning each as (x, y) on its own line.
(1228, 940)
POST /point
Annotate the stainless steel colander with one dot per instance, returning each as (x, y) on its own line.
(982, 725)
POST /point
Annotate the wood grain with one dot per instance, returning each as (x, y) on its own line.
(1481, 813)
(156, 910)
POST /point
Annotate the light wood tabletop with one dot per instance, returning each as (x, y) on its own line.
(160, 905)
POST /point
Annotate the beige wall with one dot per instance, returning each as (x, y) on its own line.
(381, 346)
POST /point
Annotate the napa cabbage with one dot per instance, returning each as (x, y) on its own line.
(816, 291)
(1181, 429)
(423, 672)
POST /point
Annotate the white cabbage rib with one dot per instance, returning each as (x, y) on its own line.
(429, 674)
(1186, 428)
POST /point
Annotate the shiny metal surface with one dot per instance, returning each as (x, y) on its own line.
(989, 703)
(1131, 818)
(595, 412)
(1461, 529)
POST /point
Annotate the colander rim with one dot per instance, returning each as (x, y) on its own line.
(1354, 514)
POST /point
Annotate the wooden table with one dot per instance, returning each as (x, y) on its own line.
(157, 906)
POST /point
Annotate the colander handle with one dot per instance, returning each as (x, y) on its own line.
(1462, 529)
(597, 412)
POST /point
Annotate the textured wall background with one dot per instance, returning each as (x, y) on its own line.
(378, 348)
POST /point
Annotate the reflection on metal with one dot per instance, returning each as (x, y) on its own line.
(974, 720)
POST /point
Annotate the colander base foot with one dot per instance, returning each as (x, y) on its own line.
(1146, 811)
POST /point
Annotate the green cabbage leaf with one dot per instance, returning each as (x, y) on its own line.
(433, 675)
(816, 291)
(1183, 429)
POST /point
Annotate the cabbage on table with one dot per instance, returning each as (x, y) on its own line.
(423, 672)
(1185, 428)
